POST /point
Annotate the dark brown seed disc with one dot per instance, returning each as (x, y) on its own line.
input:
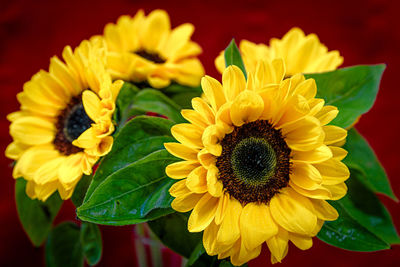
(71, 123)
(156, 58)
(255, 162)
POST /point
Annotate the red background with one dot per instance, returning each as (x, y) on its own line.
(365, 32)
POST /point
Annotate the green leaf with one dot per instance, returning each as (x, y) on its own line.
(137, 139)
(181, 94)
(352, 90)
(172, 231)
(63, 248)
(126, 94)
(197, 252)
(233, 57)
(155, 101)
(362, 204)
(133, 194)
(347, 233)
(80, 190)
(91, 243)
(36, 216)
(362, 157)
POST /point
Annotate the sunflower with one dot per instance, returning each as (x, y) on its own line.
(259, 163)
(301, 53)
(64, 124)
(145, 49)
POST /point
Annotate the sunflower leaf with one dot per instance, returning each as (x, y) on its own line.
(181, 94)
(36, 216)
(133, 194)
(92, 246)
(63, 247)
(155, 101)
(352, 90)
(124, 99)
(80, 190)
(172, 231)
(362, 205)
(348, 233)
(362, 157)
(138, 138)
(232, 57)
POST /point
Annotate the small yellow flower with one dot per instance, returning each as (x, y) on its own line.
(301, 53)
(259, 163)
(64, 124)
(145, 49)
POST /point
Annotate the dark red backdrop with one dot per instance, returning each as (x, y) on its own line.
(364, 32)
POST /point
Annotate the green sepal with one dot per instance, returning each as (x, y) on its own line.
(352, 90)
(233, 57)
(63, 247)
(362, 158)
(36, 216)
(92, 246)
(172, 231)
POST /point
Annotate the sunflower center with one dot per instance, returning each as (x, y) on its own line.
(71, 123)
(255, 162)
(154, 57)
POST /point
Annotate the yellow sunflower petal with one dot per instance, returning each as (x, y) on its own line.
(213, 91)
(211, 140)
(324, 211)
(278, 244)
(334, 134)
(338, 190)
(333, 171)
(181, 151)
(188, 135)
(319, 154)
(32, 130)
(233, 82)
(48, 172)
(305, 176)
(209, 240)
(181, 169)
(229, 230)
(197, 180)
(70, 170)
(256, 225)
(293, 212)
(214, 185)
(155, 30)
(300, 241)
(92, 104)
(203, 213)
(246, 107)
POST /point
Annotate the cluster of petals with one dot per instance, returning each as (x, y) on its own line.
(43, 99)
(297, 213)
(301, 53)
(131, 40)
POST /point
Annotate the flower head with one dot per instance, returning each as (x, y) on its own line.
(259, 163)
(145, 49)
(64, 124)
(301, 53)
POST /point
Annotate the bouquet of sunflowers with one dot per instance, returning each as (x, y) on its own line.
(128, 127)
